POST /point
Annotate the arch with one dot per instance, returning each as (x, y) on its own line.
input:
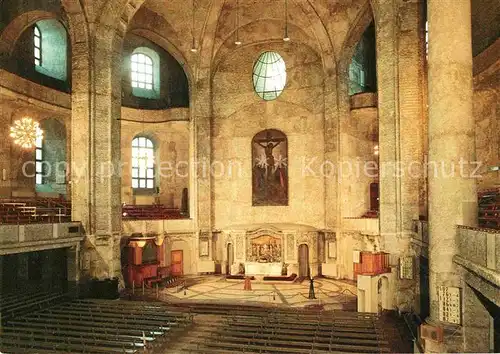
(54, 49)
(360, 24)
(303, 257)
(12, 32)
(52, 154)
(145, 73)
(227, 47)
(152, 35)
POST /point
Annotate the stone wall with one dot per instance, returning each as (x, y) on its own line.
(171, 140)
(239, 114)
(486, 111)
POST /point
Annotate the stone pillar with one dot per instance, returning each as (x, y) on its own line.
(203, 155)
(477, 322)
(95, 153)
(73, 266)
(452, 193)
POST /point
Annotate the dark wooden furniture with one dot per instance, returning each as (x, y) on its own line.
(141, 267)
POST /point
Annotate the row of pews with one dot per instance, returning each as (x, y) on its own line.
(57, 210)
(94, 326)
(34, 210)
(19, 302)
(150, 212)
(489, 208)
(235, 328)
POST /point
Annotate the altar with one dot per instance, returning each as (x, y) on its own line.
(272, 250)
(256, 268)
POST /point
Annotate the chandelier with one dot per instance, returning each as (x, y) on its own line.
(26, 132)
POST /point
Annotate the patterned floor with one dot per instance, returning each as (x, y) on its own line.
(331, 294)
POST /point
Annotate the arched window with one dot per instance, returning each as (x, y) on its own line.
(142, 71)
(143, 163)
(269, 75)
(37, 45)
(50, 46)
(145, 73)
(38, 161)
(362, 69)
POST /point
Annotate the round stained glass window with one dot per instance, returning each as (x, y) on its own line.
(269, 75)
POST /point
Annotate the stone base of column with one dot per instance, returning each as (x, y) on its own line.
(452, 342)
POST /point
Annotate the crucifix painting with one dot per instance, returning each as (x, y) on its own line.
(270, 168)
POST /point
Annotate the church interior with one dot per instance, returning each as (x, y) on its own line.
(255, 176)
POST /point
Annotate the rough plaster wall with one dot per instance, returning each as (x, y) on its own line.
(54, 151)
(358, 141)
(486, 110)
(239, 114)
(171, 141)
(13, 157)
(173, 82)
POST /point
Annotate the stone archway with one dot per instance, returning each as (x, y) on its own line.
(304, 270)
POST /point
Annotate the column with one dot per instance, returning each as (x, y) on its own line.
(452, 192)
(95, 140)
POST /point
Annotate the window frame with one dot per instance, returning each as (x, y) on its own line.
(263, 67)
(37, 34)
(136, 71)
(39, 175)
(136, 166)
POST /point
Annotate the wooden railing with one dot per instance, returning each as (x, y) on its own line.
(489, 209)
(372, 264)
(34, 210)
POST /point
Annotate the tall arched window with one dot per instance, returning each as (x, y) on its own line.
(142, 71)
(38, 161)
(50, 49)
(37, 45)
(143, 163)
(145, 73)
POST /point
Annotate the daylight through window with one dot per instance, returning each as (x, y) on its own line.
(142, 163)
(37, 40)
(269, 75)
(142, 71)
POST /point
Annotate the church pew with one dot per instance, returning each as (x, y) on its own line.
(38, 301)
(50, 326)
(327, 337)
(117, 346)
(130, 308)
(102, 323)
(228, 342)
(296, 341)
(345, 323)
(115, 312)
(96, 320)
(341, 333)
(36, 346)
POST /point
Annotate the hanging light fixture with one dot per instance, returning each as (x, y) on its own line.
(193, 43)
(285, 37)
(26, 132)
(237, 23)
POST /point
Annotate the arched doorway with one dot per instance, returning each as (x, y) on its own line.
(303, 260)
(230, 257)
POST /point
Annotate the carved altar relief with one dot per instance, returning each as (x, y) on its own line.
(264, 246)
(265, 249)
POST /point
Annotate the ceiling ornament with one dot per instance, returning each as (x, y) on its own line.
(25, 132)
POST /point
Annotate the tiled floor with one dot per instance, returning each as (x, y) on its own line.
(332, 294)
